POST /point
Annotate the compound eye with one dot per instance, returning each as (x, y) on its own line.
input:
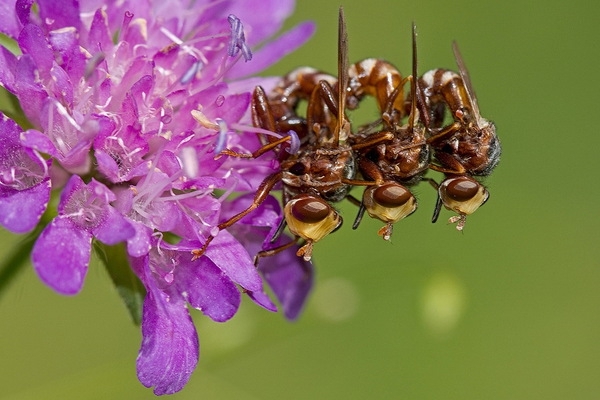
(298, 169)
(310, 210)
(391, 195)
(462, 189)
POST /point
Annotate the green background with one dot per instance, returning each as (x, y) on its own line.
(508, 309)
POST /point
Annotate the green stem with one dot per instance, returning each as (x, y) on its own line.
(16, 260)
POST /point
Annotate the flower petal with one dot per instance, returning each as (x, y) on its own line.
(114, 229)
(33, 42)
(61, 256)
(39, 141)
(9, 23)
(263, 300)
(8, 66)
(59, 14)
(28, 90)
(208, 289)
(24, 182)
(261, 18)
(23, 9)
(170, 348)
(141, 242)
(21, 211)
(273, 51)
(66, 43)
(290, 278)
(233, 259)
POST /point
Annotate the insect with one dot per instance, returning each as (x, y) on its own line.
(465, 148)
(387, 158)
(395, 157)
(369, 77)
(285, 98)
(320, 173)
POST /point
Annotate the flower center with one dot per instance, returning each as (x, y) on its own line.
(85, 209)
(20, 172)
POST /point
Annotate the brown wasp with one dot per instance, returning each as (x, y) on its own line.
(369, 77)
(323, 169)
(396, 156)
(388, 159)
(465, 148)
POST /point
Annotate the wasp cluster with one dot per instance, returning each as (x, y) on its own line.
(322, 157)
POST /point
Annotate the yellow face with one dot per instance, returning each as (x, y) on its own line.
(311, 217)
(463, 195)
(389, 202)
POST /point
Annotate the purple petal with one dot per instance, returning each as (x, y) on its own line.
(74, 184)
(170, 349)
(208, 289)
(32, 96)
(24, 182)
(39, 141)
(8, 66)
(231, 109)
(263, 300)
(73, 140)
(87, 207)
(262, 18)
(61, 256)
(120, 153)
(272, 52)
(72, 56)
(140, 67)
(140, 244)
(9, 23)
(205, 209)
(233, 259)
(114, 229)
(62, 88)
(33, 41)
(107, 165)
(99, 36)
(23, 9)
(267, 215)
(21, 211)
(290, 278)
(60, 14)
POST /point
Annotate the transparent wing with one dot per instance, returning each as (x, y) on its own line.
(464, 74)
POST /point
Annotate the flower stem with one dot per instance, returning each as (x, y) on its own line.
(17, 259)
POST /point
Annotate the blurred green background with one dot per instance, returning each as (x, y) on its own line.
(509, 309)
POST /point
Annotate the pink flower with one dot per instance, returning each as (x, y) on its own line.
(130, 101)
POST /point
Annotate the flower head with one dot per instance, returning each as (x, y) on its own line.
(129, 102)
